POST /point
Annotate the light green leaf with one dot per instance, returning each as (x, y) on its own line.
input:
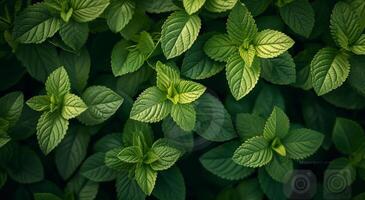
(299, 16)
(270, 43)
(248, 55)
(146, 178)
(128, 189)
(132, 62)
(87, 10)
(219, 47)
(166, 76)
(151, 106)
(167, 154)
(134, 128)
(301, 143)
(58, 83)
(249, 125)
(329, 69)
(145, 44)
(51, 129)
(72, 151)
(241, 26)
(241, 78)
(192, 6)
(119, 14)
(189, 91)
(184, 115)
(95, 169)
(219, 5)
(73, 106)
(345, 27)
(280, 168)
(359, 46)
(68, 34)
(170, 185)
(11, 106)
(277, 125)
(101, 102)
(219, 162)
(113, 162)
(279, 70)
(35, 24)
(348, 136)
(132, 154)
(255, 152)
(179, 32)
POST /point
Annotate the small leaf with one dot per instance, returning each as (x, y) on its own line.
(166, 76)
(168, 155)
(132, 154)
(87, 10)
(254, 152)
(348, 136)
(277, 125)
(119, 14)
(219, 5)
(73, 106)
(184, 115)
(58, 83)
(95, 169)
(189, 91)
(146, 178)
(220, 47)
(11, 106)
(192, 6)
(359, 46)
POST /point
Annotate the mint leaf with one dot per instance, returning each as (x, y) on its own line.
(166, 76)
(280, 168)
(119, 14)
(82, 187)
(277, 125)
(87, 10)
(270, 43)
(179, 33)
(348, 136)
(73, 106)
(11, 106)
(301, 143)
(279, 70)
(189, 91)
(219, 5)
(220, 47)
(167, 155)
(241, 78)
(359, 46)
(35, 24)
(184, 115)
(58, 83)
(255, 152)
(132, 154)
(101, 102)
(192, 6)
(48, 196)
(146, 178)
(329, 69)
(95, 169)
(127, 188)
(75, 41)
(343, 167)
(249, 125)
(170, 185)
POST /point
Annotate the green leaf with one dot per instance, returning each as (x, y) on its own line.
(299, 16)
(167, 155)
(340, 167)
(192, 6)
(329, 70)
(270, 43)
(113, 162)
(250, 189)
(345, 27)
(68, 34)
(58, 83)
(73, 106)
(219, 162)
(11, 106)
(270, 187)
(128, 189)
(301, 143)
(179, 32)
(39, 103)
(348, 136)
(357, 74)
(277, 125)
(184, 115)
(46, 196)
(134, 128)
(4, 139)
(119, 14)
(249, 125)
(241, 26)
(166, 76)
(72, 151)
(177, 137)
(95, 169)
(132, 154)
(101, 102)
(269, 97)
(87, 10)
(214, 123)
(83, 188)
(219, 47)
(280, 168)
(146, 178)
(255, 152)
(170, 185)
(359, 46)
(219, 5)
(108, 142)
(189, 91)
(151, 106)
(35, 24)
(279, 70)
(241, 78)
(51, 129)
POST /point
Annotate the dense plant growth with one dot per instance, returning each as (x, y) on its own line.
(182, 99)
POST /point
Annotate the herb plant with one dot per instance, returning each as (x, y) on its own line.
(182, 99)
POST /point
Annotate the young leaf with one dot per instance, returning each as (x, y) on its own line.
(73, 106)
(132, 154)
(270, 43)
(241, 26)
(58, 83)
(166, 76)
(219, 5)
(329, 69)
(255, 152)
(167, 155)
(348, 136)
(301, 143)
(241, 78)
(51, 129)
(189, 91)
(35, 24)
(95, 169)
(184, 115)
(151, 106)
(220, 47)
(87, 10)
(192, 6)
(146, 178)
(119, 14)
(179, 32)
(101, 102)
(277, 125)
(359, 46)
(68, 34)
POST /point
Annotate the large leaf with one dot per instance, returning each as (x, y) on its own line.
(87, 10)
(348, 136)
(219, 47)
(170, 185)
(95, 169)
(179, 32)
(249, 125)
(68, 34)
(119, 14)
(102, 103)
(329, 69)
(128, 189)
(279, 70)
(146, 178)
